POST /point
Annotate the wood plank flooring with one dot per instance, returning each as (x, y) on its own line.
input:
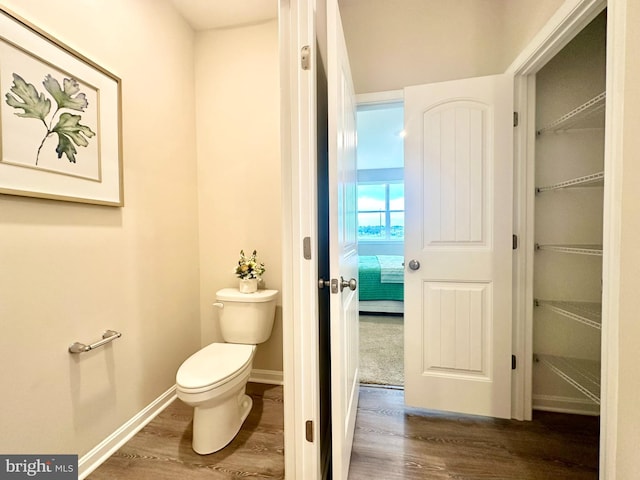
(391, 442)
(395, 442)
(162, 449)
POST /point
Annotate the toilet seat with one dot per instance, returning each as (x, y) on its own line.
(213, 366)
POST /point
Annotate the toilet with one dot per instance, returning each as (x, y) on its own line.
(213, 380)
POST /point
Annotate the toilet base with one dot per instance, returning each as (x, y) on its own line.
(215, 426)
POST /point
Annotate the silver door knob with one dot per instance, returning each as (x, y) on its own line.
(351, 284)
(414, 264)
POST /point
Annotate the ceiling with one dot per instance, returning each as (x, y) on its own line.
(209, 14)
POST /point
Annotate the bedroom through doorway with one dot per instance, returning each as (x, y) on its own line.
(380, 192)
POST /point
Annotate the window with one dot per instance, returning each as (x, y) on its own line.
(381, 173)
(381, 211)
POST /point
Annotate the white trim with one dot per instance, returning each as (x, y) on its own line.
(389, 96)
(566, 23)
(299, 214)
(93, 459)
(285, 20)
(611, 260)
(269, 377)
(523, 217)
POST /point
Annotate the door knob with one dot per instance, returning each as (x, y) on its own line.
(414, 264)
(351, 284)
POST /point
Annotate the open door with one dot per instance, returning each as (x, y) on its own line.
(342, 244)
(458, 241)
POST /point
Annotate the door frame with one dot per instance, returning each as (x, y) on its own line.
(296, 20)
(570, 18)
(302, 457)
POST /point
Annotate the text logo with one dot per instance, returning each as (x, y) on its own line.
(49, 467)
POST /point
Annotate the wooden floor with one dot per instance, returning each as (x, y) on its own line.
(394, 442)
(162, 449)
(391, 442)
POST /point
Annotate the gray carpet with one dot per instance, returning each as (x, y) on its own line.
(381, 350)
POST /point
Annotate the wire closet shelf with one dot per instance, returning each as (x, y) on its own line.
(574, 117)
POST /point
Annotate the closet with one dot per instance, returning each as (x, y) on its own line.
(569, 164)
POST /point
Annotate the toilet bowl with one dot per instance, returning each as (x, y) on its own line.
(213, 380)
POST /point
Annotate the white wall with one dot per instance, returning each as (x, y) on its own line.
(238, 145)
(69, 271)
(396, 43)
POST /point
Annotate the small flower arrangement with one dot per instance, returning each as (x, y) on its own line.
(249, 267)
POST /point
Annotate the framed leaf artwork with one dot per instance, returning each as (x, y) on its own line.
(60, 120)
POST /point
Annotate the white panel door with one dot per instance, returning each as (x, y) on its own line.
(458, 230)
(342, 244)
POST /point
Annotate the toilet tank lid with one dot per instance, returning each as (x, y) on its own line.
(234, 295)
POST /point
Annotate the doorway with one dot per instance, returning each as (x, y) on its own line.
(524, 66)
(380, 198)
(566, 104)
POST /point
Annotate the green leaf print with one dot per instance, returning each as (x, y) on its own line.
(71, 133)
(34, 105)
(64, 98)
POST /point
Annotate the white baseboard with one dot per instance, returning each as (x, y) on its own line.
(271, 377)
(93, 459)
(552, 403)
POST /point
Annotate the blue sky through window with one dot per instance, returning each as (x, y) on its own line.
(380, 136)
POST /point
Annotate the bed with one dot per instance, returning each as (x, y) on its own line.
(381, 288)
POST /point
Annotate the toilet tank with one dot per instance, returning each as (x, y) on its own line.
(246, 317)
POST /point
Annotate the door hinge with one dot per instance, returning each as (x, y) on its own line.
(308, 429)
(305, 57)
(515, 119)
(514, 242)
(306, 248)
(513, 362)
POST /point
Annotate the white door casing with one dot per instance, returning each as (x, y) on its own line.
(458, 226)
(342, 244)
(299, 278)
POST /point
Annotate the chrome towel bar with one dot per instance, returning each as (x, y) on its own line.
(107, 337)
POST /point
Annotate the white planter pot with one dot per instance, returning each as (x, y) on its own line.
(249, 285)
